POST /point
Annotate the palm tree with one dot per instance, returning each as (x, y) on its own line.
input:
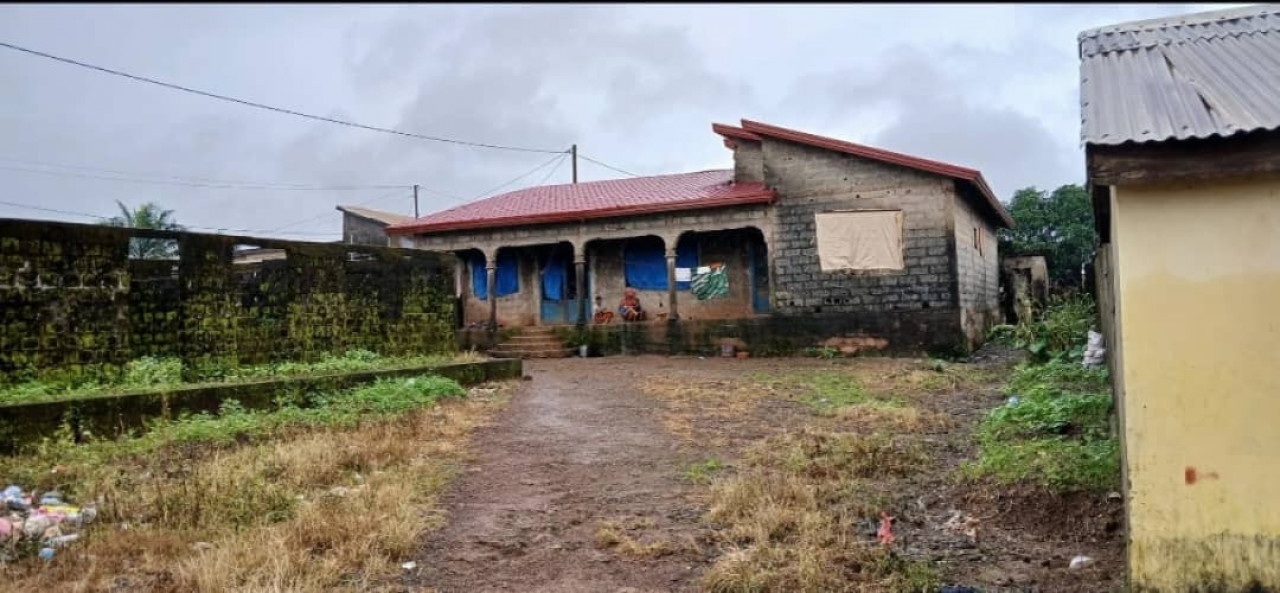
(148, 216)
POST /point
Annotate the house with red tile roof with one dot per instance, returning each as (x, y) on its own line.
(807, 241)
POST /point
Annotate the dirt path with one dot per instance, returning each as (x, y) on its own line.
(575, 447)
(607, 440)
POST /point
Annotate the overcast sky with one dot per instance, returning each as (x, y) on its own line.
(993, 87)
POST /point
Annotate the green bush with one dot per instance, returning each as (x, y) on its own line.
(1060, 333)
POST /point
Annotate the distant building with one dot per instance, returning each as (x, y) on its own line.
(366, 226)
(806, 239)
(1181, 123)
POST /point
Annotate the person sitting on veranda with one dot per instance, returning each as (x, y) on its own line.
(630, 308)
(601, 315)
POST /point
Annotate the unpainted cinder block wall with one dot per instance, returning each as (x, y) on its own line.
(362, 231)
(73, 303)
(978, 269)
(919, 304)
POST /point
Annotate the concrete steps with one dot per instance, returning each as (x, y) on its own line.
(532, 342)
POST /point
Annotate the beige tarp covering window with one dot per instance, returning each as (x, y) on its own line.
(869, 240)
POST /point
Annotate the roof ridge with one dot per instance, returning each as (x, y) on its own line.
(944, 169)
(1195, 19)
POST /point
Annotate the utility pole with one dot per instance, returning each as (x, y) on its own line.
(574, 150)
(415, 200)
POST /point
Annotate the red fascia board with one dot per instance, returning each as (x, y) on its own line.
(764, 197)
(894, 158)
(734, 132)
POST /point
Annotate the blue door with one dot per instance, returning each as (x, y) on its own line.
(559, 294)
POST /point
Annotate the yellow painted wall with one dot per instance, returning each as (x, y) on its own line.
(1198, 278)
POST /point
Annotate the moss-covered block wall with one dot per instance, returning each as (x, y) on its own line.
(72, 302)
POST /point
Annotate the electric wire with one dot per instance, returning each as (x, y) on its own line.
(255, 104)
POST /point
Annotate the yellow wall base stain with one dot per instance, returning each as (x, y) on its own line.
(1217, 564)
(1198, 277)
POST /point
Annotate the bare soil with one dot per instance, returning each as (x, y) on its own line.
(586, 442)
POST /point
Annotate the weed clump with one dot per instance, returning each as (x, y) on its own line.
(1055, 434)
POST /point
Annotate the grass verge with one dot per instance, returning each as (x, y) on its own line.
(301, 500)
(150, 373)
(1055, 436)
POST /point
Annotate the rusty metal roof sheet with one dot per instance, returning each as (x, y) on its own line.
(1192, 76)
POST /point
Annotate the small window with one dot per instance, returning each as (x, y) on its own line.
(977, 240)
(860, 240)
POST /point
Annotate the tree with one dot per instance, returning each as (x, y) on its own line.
(1057, 225)
(148, 216)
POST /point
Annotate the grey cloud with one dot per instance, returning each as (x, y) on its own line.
(635, 86)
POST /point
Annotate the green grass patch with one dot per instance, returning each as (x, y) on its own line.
(380, 400)
(701, 472)
(1056, 435)
(158, 374)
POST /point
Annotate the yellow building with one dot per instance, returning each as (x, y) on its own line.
(1181, 122)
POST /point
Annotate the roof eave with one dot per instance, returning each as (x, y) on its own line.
(412, 228)
(973, 176)
(735, 132)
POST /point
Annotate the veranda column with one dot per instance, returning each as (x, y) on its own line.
(580, 271)
(491, 273)
(673, 313)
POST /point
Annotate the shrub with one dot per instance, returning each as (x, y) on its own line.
(1060, 333)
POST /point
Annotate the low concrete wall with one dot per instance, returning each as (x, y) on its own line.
(927, 331)
(116, 414)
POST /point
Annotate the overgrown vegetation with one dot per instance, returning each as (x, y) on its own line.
(1060, 333)
(1055, 434)
(1054, 430)
(307, 500)
(790, 519)
(151, 373)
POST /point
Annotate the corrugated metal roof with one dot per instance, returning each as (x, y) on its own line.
(376, 215)
(1192, 76)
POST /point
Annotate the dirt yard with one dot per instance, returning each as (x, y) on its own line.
(679, 474)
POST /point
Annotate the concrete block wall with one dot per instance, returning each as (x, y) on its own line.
(977, 269)
(811, 180)
(748, 162)
(362, 231)
(74, 304)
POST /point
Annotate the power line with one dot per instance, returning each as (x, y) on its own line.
(197, 184)
(321, 215)
(188, 179)
(589, 159)
(521, 176)
(331, 120)
(553, 170)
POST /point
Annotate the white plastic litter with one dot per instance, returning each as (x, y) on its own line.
(1095, 352)
(1080, 562)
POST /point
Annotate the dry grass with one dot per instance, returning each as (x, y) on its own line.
(333, 509)
(790, 519)
(617, 536)
(690, 402)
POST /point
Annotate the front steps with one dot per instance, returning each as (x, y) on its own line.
(532, 342)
